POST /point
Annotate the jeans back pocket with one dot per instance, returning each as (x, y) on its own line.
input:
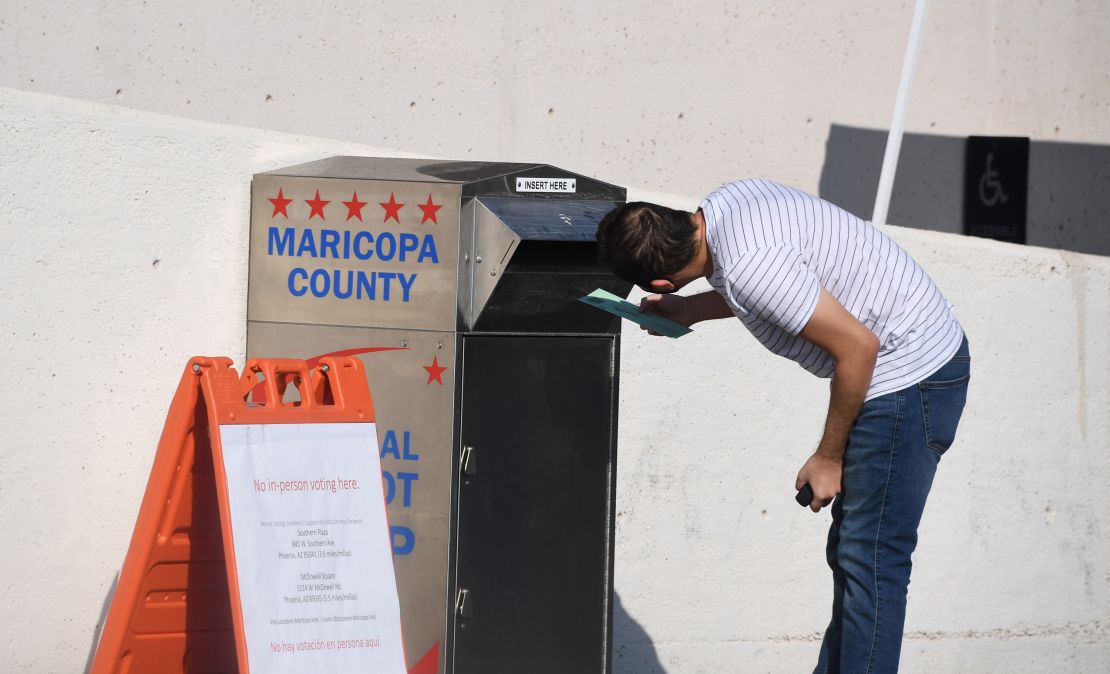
(942, 402)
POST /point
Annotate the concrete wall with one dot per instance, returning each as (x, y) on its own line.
(124, 252)
(675, 96)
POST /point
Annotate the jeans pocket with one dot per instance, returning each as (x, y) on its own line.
(942, 403)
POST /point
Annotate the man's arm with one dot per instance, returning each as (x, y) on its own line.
(855, 348)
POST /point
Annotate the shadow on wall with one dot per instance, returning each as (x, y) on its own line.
(1069, 185)
(633, 650)
(100, 623)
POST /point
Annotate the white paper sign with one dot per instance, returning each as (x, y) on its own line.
(312, 548)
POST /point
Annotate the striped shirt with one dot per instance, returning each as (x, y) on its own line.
(774, 247)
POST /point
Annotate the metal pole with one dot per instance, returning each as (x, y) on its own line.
(897, 125)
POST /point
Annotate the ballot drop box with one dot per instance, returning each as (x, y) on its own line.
(456, 285)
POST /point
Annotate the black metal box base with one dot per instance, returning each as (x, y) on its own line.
(533, 548)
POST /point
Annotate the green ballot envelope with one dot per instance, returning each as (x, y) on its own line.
(607, 301)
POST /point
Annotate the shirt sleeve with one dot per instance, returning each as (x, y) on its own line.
(774, 285)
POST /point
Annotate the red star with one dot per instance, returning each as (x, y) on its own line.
(392, 209)
(354, 207)
(279, 204)
(429, 210)
(435, 371)
(317, 206)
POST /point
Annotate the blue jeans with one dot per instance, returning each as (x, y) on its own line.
(889, 463)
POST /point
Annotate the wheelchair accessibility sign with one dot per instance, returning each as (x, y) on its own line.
(996, 185)
(990, 188)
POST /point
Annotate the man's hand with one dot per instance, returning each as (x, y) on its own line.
(674, 307)
(686, 309)
(823, 475)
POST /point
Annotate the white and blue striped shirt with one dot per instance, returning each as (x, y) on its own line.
(774, 247)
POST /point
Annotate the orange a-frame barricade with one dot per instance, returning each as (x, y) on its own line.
(173, 609)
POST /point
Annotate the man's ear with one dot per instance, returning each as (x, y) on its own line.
(662, 286)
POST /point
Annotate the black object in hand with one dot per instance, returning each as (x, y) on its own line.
(804, 496)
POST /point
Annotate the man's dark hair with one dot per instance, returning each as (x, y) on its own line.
(642, 242)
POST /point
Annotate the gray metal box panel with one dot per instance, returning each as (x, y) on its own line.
(353, 261)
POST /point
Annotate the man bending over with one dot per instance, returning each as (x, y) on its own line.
(821, 287)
